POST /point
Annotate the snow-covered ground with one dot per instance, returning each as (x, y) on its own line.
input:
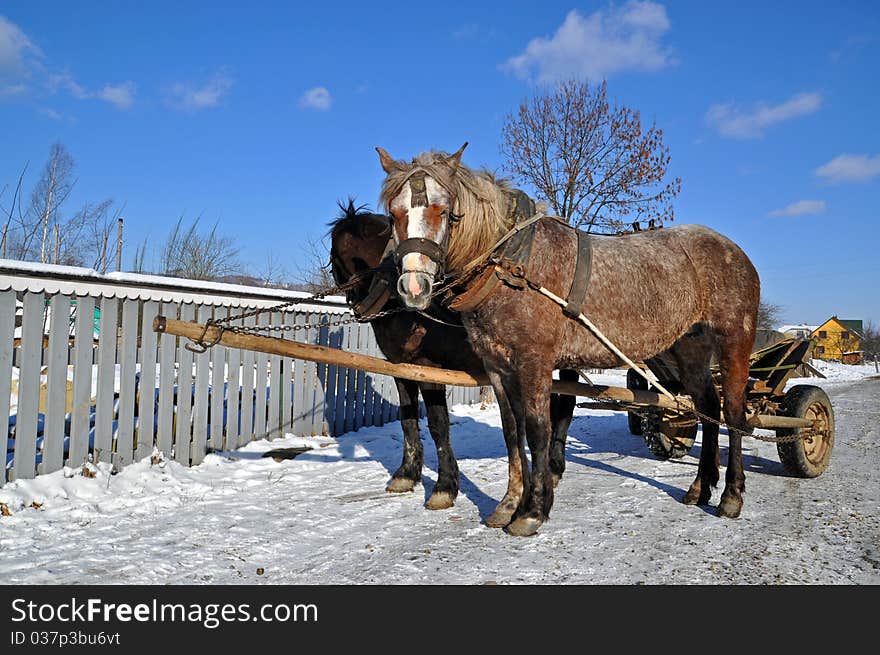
(324, 517)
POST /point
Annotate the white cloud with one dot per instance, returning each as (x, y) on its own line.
(607, 41)
(734, 122)
(16, 50)
(51, 113)
(801, 208)
(193, 98)
(120, 96)
(316, 98)
(65, 81)
(21, 60)
(850, 168)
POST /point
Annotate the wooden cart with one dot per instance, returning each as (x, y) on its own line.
(769, 404)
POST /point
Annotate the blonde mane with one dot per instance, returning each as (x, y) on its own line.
(482, 200)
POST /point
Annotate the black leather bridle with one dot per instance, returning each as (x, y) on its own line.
(434, 251)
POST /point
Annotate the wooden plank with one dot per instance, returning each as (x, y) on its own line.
(320, 410)
(273, 414)
(350, 379)
(200, 402)
(233, 392)
(378, 382)
(247, 391)
(7, 327)
(56, 386)
(24, 464)
(341, 387)
(310, 337)
(261, 379)
(287, 381)
(183, 419)
(167, 375)
(299, 382)
(218, 384)
(103, 445)
(83, 370)
(147, 383)
(330, 378)
(359, 345)
(367, 398)
(127, 371)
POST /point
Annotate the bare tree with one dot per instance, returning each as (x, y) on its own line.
(198, 256)
(273, 272)
(98, 221)
(768, 315)
(313, 273)
(42, 230)
(51, 191)
(870, 340)
(590, 161)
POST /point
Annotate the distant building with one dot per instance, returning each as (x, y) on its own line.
(801, 331)
(839, 339)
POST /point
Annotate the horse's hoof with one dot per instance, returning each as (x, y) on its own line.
(501, 516)
(696, 496)
(400, 485)
(440, 500)
(730, 507)
(524, 526)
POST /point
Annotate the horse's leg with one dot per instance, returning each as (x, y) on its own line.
(410, 472)
(446, 489)
(734, 361)
(561, 411)
(517, 473)
(693, 354)
(534, 393)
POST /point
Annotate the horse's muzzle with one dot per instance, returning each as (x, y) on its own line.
(415, 289)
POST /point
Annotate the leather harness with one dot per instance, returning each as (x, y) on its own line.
(509, 263)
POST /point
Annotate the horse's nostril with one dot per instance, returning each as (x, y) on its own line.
(414, 286)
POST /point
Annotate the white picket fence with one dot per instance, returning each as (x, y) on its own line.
(83, 375)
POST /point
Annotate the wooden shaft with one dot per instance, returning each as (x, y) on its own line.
(313, 353)
(770, 421)
(325, 355)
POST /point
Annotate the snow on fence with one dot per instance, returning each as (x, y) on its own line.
(83, 375)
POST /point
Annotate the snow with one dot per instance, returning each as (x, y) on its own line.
(324, 517)
(87, 280)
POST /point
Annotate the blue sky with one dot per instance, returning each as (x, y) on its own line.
(263, 115)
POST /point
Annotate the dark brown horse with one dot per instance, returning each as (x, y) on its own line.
(687, 289)
(359, 245)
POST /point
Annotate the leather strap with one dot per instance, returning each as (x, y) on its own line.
(375, 300)
(581, 281)
(422, 247)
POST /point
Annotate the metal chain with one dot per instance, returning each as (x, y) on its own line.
(222, 323)
(253, 329)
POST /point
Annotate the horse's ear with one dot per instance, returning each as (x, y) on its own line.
(389, 164)
(455, 159)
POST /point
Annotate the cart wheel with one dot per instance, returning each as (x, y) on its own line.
(634, 381)
(807, 458)
(664, 440)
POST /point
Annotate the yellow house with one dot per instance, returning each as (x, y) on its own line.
(837, 336)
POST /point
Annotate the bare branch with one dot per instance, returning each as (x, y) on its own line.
(592, 163)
